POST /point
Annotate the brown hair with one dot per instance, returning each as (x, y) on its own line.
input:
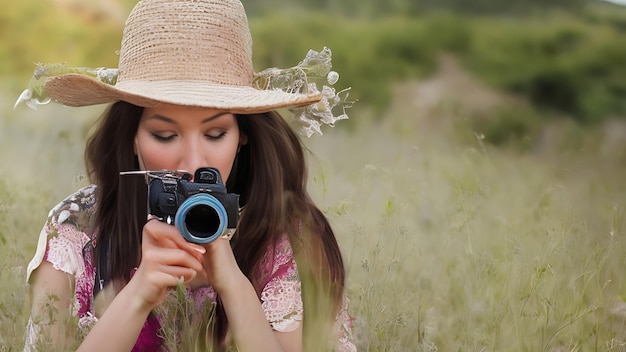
(269, 174)
(121, 212)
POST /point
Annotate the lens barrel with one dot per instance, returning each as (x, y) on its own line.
(201, 218)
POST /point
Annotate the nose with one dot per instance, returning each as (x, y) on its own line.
(192, 157)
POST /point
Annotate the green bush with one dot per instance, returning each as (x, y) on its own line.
(514, 126)
(560, 64)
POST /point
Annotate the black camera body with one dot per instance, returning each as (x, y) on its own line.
(201, 209)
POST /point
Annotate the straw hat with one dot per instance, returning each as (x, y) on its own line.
(183, 52)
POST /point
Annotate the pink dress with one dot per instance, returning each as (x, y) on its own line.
(65, 242)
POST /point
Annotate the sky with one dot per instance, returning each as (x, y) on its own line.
(619, 2)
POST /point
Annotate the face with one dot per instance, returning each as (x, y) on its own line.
(183, 138)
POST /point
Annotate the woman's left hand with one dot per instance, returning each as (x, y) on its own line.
(220, 266)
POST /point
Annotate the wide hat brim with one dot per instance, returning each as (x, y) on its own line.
(81, 90)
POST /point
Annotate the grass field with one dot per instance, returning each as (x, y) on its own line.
(450, 244)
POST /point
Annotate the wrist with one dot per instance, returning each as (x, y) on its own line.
(236, 283)
(134, 301)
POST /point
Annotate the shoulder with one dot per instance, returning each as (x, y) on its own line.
(76, 209)
(278, 261)
(69, 227)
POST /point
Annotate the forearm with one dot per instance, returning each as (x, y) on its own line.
(119, 326)
(248, 325)
(52, 291)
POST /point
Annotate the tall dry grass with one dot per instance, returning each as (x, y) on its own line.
(449, 246)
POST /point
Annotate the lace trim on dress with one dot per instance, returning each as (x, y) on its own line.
(343, 328)
(282, 303)
(65, 250)
(281, 298)
(32, 333)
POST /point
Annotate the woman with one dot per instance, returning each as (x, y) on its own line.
(185, 98)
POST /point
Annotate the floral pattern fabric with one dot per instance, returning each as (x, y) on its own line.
(67, 240)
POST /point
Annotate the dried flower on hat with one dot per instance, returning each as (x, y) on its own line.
(303, 78)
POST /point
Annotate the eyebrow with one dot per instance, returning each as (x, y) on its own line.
(170, 120)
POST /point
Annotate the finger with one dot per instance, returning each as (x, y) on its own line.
(168, 236)
(161, 233)
(178, 273)
(182, 243)
(155, 284)
(218, 246)
(173, 257)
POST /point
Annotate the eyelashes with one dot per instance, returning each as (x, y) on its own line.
(169, 138)
(216, 137)
(163, 139)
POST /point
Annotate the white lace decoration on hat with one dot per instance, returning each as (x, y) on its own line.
(35, 94)
(304, 78)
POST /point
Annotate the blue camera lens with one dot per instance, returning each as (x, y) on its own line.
(201, 218)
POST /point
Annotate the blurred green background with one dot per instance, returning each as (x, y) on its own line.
(477, 189)
(566, 57)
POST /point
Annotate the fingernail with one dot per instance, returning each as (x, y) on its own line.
(199, 249)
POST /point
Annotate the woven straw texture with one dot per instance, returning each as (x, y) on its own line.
(183, 52)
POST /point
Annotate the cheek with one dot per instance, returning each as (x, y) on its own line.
(226, 160)
(153, 155)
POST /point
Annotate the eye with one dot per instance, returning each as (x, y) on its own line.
(161, 138)
(216, 136)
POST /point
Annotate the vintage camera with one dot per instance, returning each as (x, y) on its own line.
(202, 210)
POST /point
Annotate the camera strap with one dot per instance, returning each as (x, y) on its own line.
(101, 268)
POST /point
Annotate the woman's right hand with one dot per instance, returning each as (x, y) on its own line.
(165, 258)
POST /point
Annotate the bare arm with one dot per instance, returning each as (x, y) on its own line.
(122, 320)
(250, 329)
(52, 292)
(166, 257)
